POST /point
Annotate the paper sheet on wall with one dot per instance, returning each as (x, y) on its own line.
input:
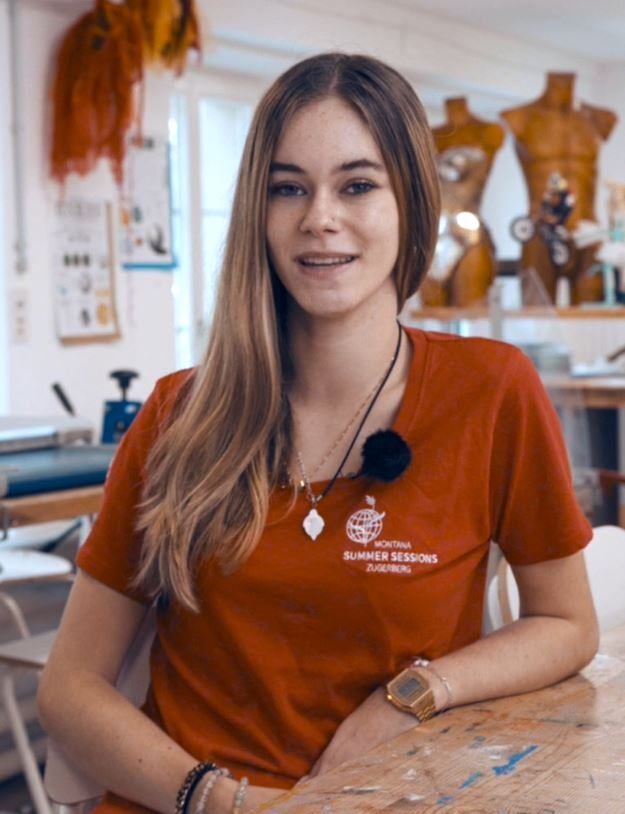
(145, 208)
(83, 267)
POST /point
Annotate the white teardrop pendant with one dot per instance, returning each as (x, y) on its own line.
(313, 524)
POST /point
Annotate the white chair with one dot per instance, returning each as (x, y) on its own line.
(496, 604)
(64, 787)
(605, 561)
(19, 568)
(41, 536)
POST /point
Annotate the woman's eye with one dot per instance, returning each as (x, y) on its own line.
(359, 187)
(285, 190)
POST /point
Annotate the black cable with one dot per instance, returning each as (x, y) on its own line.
(366, 415)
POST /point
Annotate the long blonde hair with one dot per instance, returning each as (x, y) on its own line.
(211, 471)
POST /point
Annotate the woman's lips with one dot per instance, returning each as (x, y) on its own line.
(328, 262)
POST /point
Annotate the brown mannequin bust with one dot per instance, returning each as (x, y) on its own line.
(552, 135)
(466, 146)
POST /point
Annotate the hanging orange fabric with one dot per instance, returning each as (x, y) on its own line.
(99, 63)
(170, 30)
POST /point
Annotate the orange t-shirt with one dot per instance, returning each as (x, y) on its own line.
(299, 636)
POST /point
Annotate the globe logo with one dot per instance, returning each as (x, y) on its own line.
(366, 524)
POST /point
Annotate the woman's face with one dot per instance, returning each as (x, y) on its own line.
(332, 216)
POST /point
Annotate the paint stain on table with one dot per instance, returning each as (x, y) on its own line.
(513, 761)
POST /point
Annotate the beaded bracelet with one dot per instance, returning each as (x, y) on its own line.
(427, 665)
(239, 796)
(190, 782)
(445, 684)
(214, 776)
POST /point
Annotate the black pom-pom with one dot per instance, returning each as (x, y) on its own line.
(385, 456)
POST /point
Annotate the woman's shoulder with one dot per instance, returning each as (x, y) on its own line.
(169, 393)
(174, 382)
(472, 353)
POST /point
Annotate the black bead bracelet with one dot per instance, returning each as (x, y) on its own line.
(190, 782)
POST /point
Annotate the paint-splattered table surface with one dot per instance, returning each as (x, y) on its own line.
(557, 751)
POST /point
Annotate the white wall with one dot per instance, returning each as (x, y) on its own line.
(610, 93)
(4, 232)
(144, 298)
(261, 38)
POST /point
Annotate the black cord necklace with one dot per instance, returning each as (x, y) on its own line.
(313, 522)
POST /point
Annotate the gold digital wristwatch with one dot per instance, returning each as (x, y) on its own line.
(410, 691)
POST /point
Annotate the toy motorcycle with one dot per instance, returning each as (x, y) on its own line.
(555, 207)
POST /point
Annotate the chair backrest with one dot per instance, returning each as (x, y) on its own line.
(64, 783)
(605, 561)
(495, 610)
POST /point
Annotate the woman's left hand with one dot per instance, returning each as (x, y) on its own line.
(375, 721)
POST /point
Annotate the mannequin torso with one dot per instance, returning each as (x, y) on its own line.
(551, 135)
(466, 146)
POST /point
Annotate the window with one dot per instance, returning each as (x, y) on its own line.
(209, 121)
(181, 229)
(223, 128)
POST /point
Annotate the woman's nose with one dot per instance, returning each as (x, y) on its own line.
(321, 214)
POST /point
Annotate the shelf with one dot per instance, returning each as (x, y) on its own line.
(530, 312)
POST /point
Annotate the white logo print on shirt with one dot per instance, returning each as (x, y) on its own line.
(385, 556)
(366, 524)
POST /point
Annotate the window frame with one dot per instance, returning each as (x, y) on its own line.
(196, 86)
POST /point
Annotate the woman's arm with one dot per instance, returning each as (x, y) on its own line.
(555, 636)
(101, 731)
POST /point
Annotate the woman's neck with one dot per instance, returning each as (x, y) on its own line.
(337, 361)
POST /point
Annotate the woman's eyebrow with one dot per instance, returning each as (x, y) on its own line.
(279, 166)
(360, 164)
(347, 166)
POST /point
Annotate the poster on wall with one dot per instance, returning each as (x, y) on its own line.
(145, 208)
(83, 271)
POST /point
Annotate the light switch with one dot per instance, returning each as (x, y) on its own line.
(19, 317)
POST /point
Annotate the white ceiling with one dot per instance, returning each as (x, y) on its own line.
(589, 28)
(594, 29)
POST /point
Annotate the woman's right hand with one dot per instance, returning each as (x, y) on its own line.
(259, 795)
(222, 797)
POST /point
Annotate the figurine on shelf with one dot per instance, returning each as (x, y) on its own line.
(556, 205)
(552, 134)
(611, 252)
(464, 263)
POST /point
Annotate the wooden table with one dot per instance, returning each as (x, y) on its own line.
(587, 392)
(48, 506)
(602, 392)
(556, 751)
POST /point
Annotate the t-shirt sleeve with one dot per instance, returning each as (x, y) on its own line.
(111, 552)
(535, 515)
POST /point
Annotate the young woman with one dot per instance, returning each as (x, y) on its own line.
(295, 574)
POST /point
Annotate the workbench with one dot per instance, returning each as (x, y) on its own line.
(39, 486)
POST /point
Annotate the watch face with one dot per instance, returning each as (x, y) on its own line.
(409, 688)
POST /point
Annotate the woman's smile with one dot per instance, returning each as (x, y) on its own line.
(323, 265)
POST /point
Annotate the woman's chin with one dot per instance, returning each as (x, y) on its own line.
(325, 309)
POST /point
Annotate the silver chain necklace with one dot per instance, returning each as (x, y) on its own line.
(313, 524)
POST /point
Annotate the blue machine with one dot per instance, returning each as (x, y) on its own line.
(119, 415)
